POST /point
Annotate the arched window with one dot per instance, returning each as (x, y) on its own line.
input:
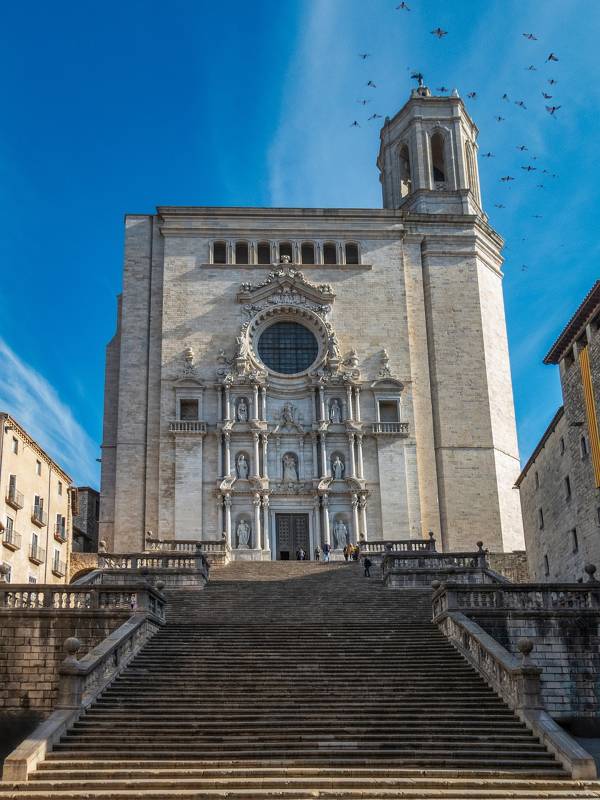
(263, 253)
(329, 253)
(285, 249)
(405, 179)
(351, 253)
(437, 158)
(308, 253)
(241, 252)
(219, 252)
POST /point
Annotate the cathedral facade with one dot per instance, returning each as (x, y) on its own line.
(287, 378)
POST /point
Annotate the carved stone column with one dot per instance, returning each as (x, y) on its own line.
(301, 473)
(220, 529)
(360, 465)
(357, 404)
(326, 527)
(317, 516)
(363, 516)
(263, 403)
(257, 533)
(265, 469)
(324, 470)
(255, 409)
(256, 465)
(355, 532)
(349, 411)
(219, 403)
(352, 464)
(315, 455)
(322, 403)
(227, 403)
(219, 455)
(227, 437)
(228, 519)
(266, 545)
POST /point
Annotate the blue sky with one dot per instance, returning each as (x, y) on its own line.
(118, 107)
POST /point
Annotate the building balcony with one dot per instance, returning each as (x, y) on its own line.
(60, 534)
(193, 426)
(59, 568)
(37, 554)
(11, 540)
(39, 516)
(14, 498)
(390, 428)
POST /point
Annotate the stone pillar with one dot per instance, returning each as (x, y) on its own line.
(324, 470)
(227, 454)
(219, 455)
(227, 403)
(322, 403)
(360, 464)
(326, 528)
(301, 473)
(355, 527)
(349, 411)
(357, 415)
(315, 455)
(265, 469)
(352, 464)
(228, 519)
(363, 516)
(263, 402)
(220, 529)
(256, 470)
(219, 403)
(317, 517)
(266, 545)
(257, 534)
(255, 409)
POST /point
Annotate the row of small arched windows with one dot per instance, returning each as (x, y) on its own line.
(274, 252)
(438, 165)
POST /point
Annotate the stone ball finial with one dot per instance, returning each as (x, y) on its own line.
(160, 585)
(435, 585)
(149, 534)
(479, 545)
(102, 546)
(590, 569)
(525, 646)
(431, 535)
(4, 570)
(72, 645)
(144, 572)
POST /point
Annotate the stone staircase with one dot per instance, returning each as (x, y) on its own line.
(296, 680)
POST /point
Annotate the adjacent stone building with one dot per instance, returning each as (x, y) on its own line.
(560, 484)
(35, 509)
(290, 377)
(86, 517)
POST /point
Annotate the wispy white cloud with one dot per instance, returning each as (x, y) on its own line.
(35, 404)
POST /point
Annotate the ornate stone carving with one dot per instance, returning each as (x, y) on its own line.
(293, 487)
(290, 467)
(289, 419)
(243, 535)
(384, 365)
(340, 534)
(241, 411)
(188, 370)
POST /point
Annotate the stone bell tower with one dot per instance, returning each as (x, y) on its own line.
(428, 157)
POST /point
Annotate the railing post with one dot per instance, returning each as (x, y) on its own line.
(528, 679)
(70, 686)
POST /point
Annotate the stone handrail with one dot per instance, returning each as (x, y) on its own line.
(430, 560)
(537, 597)
(517, 681)
(184, 545)
(65, 598)
(81, 682)
(397, 428)
(398, 546)
(137, 561)
(187, 426)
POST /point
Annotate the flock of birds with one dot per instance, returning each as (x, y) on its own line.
(547, 94)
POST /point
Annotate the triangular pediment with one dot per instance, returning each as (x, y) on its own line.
(282, 282)
(387, 383)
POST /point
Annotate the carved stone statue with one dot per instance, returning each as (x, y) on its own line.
(333, 348)
(335, 411)
(340, 533)
(241, 347)
(285, 260)
(188, 355)
(337, 468)
(242, 467)
(243, 534)
(287, 414)
(384, 365)
(290, 470)
(242, 410)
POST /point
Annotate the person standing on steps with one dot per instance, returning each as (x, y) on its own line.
(346, 552)
(317, 553)
(326, 549)
(367, 563)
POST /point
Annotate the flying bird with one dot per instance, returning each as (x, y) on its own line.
(439, 33)
(522, 147)
(507, 178)
(552, 110)
(371, 84)
(530, 36)
(472, 95)
(487, 155)
(375, 116)
(552, 57)
(531, 68)
(499, 119)
(363, 102)
(442, 89)
(417, 76)
(499, 205)
(524, 268)
(529, 168)
(552, 81)
(505, 97)
(364, 55)
(402, 7)
(354, 124)
(546, 96)
(521, 104)
(537, 216)
(540, 186)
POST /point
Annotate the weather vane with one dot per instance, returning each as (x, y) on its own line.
(418, 76)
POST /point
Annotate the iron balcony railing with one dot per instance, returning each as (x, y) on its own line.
(59, 568)
(37, 554)
(11, 539)
(39, 516)
(60, 533)
(14, 498)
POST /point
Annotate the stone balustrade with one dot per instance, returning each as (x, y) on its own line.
(398, 546)
(187, 426)
(390, 428)
(172, 568)
(532, 598)
(420, 568)
(216, 549)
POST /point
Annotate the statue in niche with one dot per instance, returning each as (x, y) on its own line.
(242, 467)
(290, 469)
(335, 411)
(243, 535)
(242, 410)
(340, 534)
(287, 414)
(338, 468)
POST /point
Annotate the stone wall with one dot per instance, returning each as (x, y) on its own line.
(513, 566)
(31, 649)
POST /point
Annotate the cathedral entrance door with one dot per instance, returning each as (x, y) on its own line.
(292, 534)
